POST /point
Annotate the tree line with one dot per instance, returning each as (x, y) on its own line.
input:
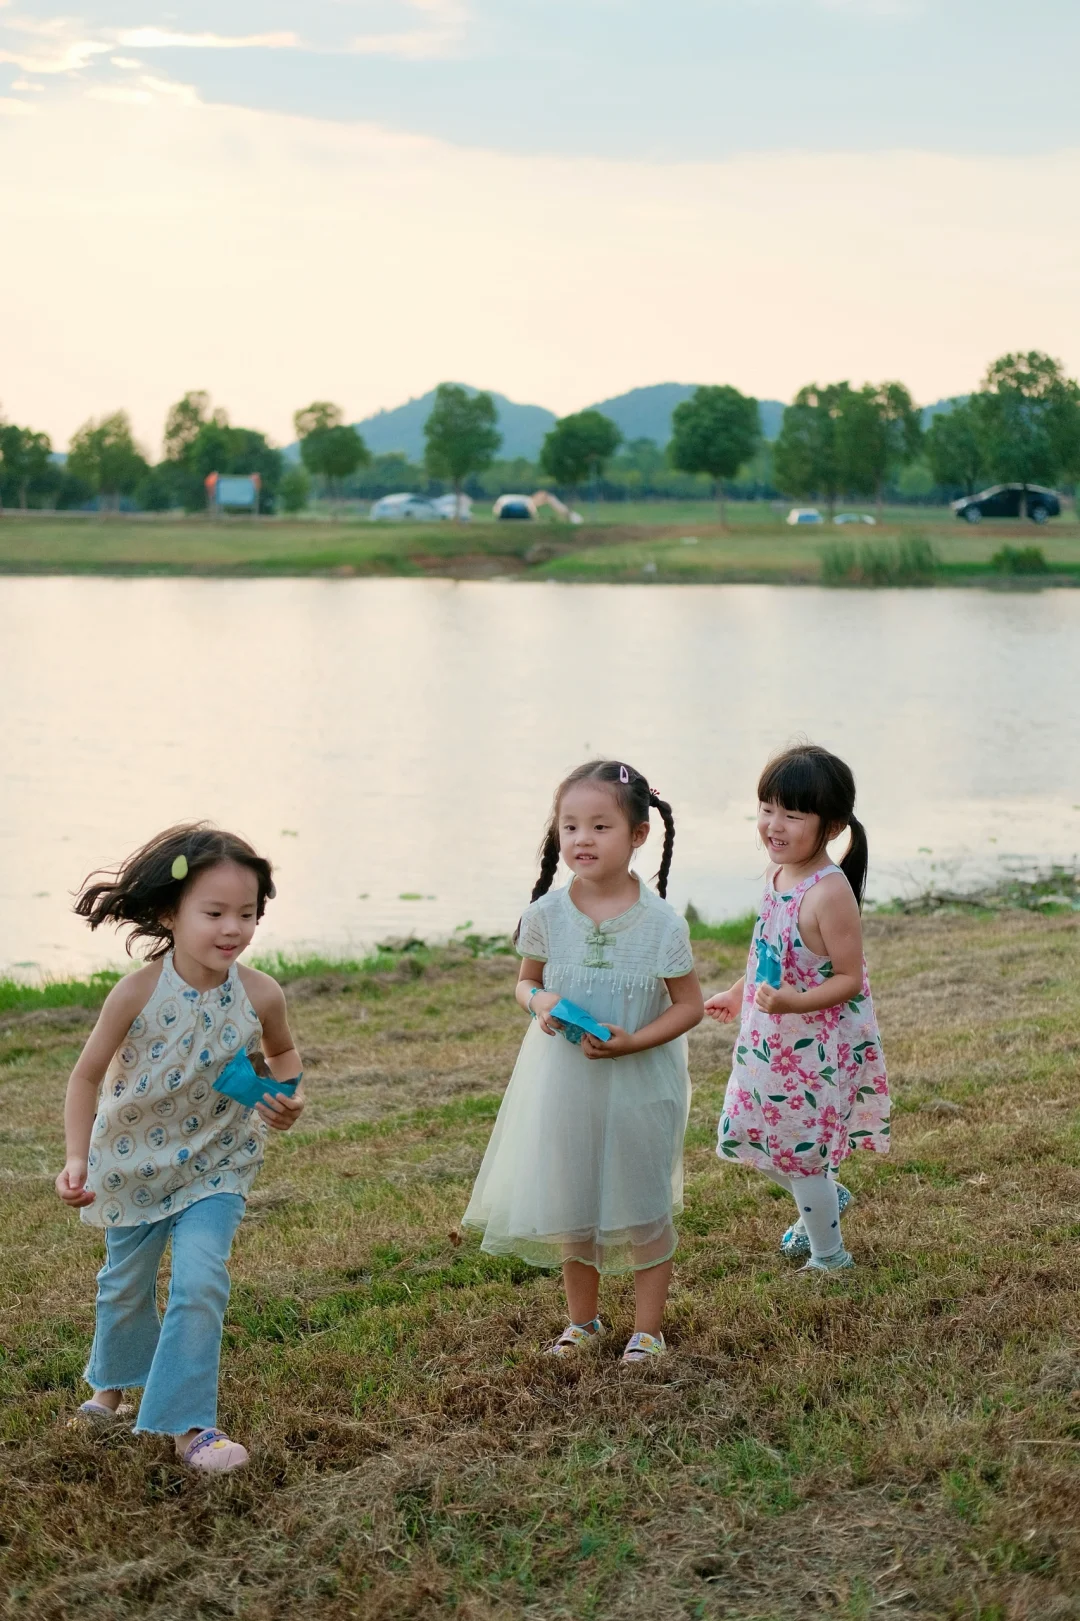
(835, 441)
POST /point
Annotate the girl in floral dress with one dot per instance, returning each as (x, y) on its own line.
(808, 1081)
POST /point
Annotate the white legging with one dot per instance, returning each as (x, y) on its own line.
(819, 1207)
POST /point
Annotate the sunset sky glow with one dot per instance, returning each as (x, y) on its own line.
(559, 199)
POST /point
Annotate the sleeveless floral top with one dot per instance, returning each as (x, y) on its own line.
(806, 1088)
(163, 1138)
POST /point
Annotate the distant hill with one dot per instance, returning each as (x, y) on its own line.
(522, 427)
(645, 413)
(642, 413)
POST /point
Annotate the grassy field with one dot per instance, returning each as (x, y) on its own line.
(677, 542)
(903, 1440)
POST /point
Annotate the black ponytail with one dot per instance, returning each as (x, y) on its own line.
(856, 860)
(668, 820)
(810, 780)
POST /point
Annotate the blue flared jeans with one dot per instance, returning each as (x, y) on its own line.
(174, 1359)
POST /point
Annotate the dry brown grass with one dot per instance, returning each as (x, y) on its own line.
(904, 1440)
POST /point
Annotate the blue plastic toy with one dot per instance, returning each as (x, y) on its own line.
(241, 1081)
(768, 965)
(577, 1023)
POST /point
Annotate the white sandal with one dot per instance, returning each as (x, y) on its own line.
(643, 1347)
(577, 1337)
(212, 1452)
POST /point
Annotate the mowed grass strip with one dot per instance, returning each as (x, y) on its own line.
(903, 1440)
(679, 542)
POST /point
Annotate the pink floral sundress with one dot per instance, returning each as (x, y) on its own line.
(806, 1088)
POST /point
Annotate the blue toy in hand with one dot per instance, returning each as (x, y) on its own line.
(768, 965)
(577, 1023)
(241, 1081)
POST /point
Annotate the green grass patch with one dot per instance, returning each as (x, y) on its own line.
(735, 931)
(1020, 560)
(17, 997)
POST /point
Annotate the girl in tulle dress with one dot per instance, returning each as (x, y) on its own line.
(584, 1166)
(808, 1081)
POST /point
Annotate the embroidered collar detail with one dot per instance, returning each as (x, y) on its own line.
(610, 925)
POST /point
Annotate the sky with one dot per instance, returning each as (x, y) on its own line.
(283, 200)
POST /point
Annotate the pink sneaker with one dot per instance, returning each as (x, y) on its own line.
(213, 1452)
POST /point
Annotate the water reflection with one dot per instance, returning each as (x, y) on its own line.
(388, 738)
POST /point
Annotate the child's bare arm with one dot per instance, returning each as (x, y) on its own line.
(687, 1009)
(282, 1110)
(725, 1005)
(531, 980)
(836, 919)
(123, 1002)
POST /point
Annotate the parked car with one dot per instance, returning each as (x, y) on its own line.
(804, 515)
(855, 517)
(1003, 501)
(449, 506)
(410, 508)
(514, 507)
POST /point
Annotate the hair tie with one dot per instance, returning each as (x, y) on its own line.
(624, 775)
(654, 796)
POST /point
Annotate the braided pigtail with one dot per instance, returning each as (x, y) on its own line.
(549, 864)
(668, 819)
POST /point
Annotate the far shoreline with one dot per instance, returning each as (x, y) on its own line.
(619, 544)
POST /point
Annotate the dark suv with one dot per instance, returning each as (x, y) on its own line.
(1003, 501)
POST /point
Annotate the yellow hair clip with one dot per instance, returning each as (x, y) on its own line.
(179, 868)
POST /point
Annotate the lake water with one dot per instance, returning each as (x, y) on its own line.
(390, 738)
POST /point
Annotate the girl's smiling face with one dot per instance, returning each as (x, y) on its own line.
(216, 918)
(595, 839)
(792, 838)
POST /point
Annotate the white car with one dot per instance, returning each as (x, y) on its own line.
(804, 515)
(405, 508)
(449, 506)
(855, 517)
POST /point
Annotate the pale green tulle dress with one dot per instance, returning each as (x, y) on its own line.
(585, 1160)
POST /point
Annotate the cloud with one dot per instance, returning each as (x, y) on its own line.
(151, 39)
(64, 45)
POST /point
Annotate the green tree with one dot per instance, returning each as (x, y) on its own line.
(716, 432)
(106, 456)
(1029, 418)
(462, 436)
(329, 447)
(24, 461)
(295, 489)
(954, 447)
(809, 455)
(577, 447)
(184, 421)
(879, 431)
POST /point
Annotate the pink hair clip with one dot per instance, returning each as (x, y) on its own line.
(624, 775)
